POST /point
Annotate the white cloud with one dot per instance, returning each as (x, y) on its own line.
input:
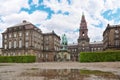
(112, 4)
(35, 2)
(10, 20)
(92, 10)
(8, 7)
(60, 23)
(35, 17)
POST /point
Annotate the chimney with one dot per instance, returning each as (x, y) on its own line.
(24, 21)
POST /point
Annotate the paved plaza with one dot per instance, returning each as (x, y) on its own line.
(15, 71)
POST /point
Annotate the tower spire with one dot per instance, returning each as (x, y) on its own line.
(83, 23)
(83, 40)
(82, 13)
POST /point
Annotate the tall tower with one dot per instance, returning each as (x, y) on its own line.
(83, 40)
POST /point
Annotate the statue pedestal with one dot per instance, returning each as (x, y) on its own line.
(63, 55)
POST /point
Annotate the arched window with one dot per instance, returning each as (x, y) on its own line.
(83, 34)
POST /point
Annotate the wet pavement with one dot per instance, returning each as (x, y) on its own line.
(52, 71)
(70, 74)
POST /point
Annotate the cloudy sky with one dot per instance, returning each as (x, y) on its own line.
(62, 16)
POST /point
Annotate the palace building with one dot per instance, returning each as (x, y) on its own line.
(111, 37)
(26, 39)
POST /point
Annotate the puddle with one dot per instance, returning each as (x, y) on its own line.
(69, 74)
(7, 71)
(5, 65)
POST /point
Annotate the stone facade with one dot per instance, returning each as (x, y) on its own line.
(111, 37)
(51, 46)
(73, 49)
(96, 46)
(26, 39)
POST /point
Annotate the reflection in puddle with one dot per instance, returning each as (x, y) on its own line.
(70, 74)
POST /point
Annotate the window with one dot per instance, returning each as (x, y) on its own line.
(46, 56)
(95, 49)
(26, 53)
(20, 43)
(14, 44)
(5, 36)
(39, 55)
(5, 41)
(116, 42)
(42, 55)
(13, 54)
(5, 46)
(10, 45)
(20, 34)
(10, 35)
(116, 31)
(75, 50)
(116, 36)
(15, 35)
(26, 37)
(41, 48)
(26, 33)
(92, 49)
(46, 47)
(26, 44)
(47, 38)
(83, 49)
(83, 34)
(83, 44)
(35, 45)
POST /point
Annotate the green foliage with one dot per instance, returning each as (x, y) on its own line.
(17, 59)
(106, 56)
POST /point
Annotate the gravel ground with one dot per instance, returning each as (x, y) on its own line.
(10, 71)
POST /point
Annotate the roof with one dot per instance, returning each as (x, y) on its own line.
(21, 24)
(51, 33)
(74, 45)
(26, 24)
(96, 42)
(110, 27)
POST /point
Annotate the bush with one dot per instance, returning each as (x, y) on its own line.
(107, 56)
(17, 59)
